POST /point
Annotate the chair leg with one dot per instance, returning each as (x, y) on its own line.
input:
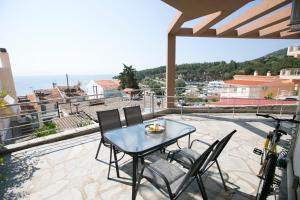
(225, 188)
(201, 187)
(142, 160)
(101, 141)
(109, 164)
(116, 162)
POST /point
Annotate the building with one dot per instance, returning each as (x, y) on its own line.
(8, 112)
(294, 51)
(103, 89)
(260, 87)
(48, 100)
(214, 87)
(8, 97)
(6, 77)
(73, 91)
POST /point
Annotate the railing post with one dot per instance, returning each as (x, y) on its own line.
(144, 99)
(281, 110)
(181, 110)
(152, 104)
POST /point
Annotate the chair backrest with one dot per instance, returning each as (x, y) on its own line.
(109, 120)
(219, 148)
(198, 164)
(133, 115)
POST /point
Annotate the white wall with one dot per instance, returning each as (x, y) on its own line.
(90, 90)
(240, 92)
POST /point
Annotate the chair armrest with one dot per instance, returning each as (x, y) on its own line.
(200, 142)
(161, 176)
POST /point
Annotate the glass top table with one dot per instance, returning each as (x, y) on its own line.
(135, 139)
(137, 142)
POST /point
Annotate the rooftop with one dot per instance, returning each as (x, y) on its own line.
(67, 169)
(244, 82)
(108, 84)
(75, 90)
(48, 94)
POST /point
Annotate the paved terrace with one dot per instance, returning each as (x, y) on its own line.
(68, 170)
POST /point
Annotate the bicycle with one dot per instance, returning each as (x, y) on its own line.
(269, 157)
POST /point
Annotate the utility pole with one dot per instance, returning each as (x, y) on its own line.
(68, 93)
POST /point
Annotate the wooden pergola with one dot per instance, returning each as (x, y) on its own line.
(268, 19)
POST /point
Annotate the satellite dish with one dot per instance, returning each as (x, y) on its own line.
(295, 17)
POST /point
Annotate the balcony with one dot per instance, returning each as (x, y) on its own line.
(62, 165)
(294, 51)
(290, 74)
(67, 169)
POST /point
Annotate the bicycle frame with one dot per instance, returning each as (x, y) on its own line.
(269, 157)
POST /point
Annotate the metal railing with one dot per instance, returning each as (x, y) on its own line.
(20, 126)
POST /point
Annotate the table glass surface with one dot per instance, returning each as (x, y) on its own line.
(135, 139)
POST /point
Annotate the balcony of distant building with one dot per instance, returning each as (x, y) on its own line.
(290, 74)
(294, 51)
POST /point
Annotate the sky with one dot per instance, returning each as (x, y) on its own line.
(49, 37)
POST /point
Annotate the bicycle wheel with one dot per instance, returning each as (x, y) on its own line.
(269, 172)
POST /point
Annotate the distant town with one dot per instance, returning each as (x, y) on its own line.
(70, 106)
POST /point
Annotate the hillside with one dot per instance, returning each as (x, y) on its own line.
(207, 71)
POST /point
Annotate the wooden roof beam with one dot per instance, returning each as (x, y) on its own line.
(207, 22)
(257, 11)
(288, 34)
(188, 32)
(176, 23)
(264, 22)
(275, 29)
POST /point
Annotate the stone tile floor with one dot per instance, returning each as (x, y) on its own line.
(67, 169)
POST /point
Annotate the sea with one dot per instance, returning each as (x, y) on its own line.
(26, 84)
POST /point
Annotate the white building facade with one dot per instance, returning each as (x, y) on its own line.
(103, 89)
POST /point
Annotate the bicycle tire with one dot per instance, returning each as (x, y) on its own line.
(268, 178)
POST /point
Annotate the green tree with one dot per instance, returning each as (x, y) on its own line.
(127, 78)
(180, 83)
(269, 95)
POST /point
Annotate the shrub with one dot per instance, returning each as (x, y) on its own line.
(83, 123)
(214, 99)
(48, 129)
(269, 95)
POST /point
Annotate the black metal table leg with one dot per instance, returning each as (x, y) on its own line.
(116, 162)
(189, 141)
(134, 174)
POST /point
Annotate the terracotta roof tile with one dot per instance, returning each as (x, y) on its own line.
(108, 84)
(245, 82)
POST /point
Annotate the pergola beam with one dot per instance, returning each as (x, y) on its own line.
(275, 29)
(176, 23)
(290, 35)
(256, 12)
(188, 32)
(207, 22)
(264, 22)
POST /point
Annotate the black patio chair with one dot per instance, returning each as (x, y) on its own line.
(133, 115)
(109, 120)
(172, 180)
(186, 156)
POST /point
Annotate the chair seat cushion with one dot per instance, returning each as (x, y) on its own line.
(172, 173)
(181, 156)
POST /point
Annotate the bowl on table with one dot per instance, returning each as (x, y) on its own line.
(154, 128)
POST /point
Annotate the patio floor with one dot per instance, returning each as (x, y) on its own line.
(68, 170)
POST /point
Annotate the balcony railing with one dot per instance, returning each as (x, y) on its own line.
(76, 112)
